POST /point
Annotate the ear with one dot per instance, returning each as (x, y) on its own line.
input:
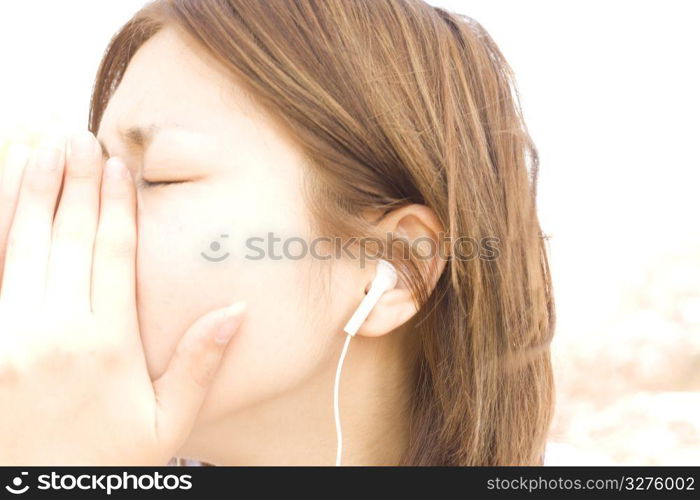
(420, 227)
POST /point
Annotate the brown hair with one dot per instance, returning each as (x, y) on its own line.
(396, 102)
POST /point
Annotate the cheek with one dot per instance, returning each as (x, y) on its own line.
(171, 293)
(182, 276)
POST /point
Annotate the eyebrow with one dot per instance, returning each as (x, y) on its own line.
(136, 137)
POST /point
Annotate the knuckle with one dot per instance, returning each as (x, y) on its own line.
(83, 171)
(38, 185)
(110, 353)
(64, 356)
(56, 356)
(22, 248)
(74, 229)
(118, 246)
(200, 371)
(118, 193)
(10, 371)
(202, 375)
(18, 245)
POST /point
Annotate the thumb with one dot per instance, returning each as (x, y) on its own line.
(180, 391)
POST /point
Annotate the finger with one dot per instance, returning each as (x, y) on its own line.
(13, 167)
(68, 280)
(180, 391)
(3, 153)
(114, 258)
(29, 239)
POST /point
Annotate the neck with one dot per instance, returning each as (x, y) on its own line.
(298, 428)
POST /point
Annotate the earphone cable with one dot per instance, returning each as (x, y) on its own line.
(336, 407)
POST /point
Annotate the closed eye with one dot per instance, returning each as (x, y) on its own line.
(146, 184)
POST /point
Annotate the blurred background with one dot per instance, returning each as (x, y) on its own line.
(610, 95)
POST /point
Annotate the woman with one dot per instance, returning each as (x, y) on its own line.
(269, 142)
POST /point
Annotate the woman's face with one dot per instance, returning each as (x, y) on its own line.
(235, 177)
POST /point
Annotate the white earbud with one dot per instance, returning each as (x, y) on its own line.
(385, 279)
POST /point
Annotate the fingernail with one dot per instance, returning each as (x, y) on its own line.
(115, 168)
(229, 326)
(82, 144)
